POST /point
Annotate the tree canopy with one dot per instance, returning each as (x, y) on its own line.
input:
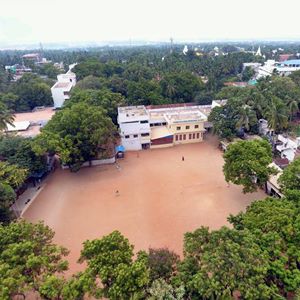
(247, 164)
(77, 134)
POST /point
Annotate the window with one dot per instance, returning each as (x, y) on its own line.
(127, 136)
(180, 137)
(198, 135)
(187, 127)
(194, 135)
(178, 128)
(145, 134)
(164, 123)
(190, 136)
(151, 125)
(184, 137)
(135, 135)
(144, 122)
(196, 126)
(176, 137)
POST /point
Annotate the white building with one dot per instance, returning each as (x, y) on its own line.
(272, 185)
(288, 147)
(62, 88)
(267, 69)
(160, 126)
(134, 127)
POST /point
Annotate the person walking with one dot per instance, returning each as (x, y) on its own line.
(182, 158)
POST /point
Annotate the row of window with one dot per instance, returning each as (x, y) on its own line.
(158, 124)
(190, 136)
(136, 135)
(187, 127)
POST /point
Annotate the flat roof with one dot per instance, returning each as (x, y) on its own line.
(178, 114)
(36, 116)
(18, 126)
(132, 113)
(60, 85)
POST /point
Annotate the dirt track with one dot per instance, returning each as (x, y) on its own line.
(160, 198)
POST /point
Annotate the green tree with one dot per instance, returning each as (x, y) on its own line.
(220, 263)
(102, 98)
(27, 257)
(6, 117)
(10, 100)
(275, 223)
(247, 164)
(90, 66)
(7, 198)
(161, 290)
(277, 114)
(18, 150)
(91, 83)
(12, 174)
(110, 260)
(32, 91)
(77, 134)
(247, 74)
(49, 70)
(224, 121)
(290, 178)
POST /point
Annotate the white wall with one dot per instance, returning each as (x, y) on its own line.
(58, 97)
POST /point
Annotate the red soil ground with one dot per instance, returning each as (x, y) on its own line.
(160, 198)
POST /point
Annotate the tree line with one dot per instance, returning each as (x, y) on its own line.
(275, 99)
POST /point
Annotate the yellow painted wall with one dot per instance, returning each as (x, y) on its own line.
(173, 127)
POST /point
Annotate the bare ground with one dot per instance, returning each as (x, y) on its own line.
(160, 198)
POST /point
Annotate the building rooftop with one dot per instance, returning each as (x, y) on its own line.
(291, 62)
(18, 126)
(36, 116)
(130, 113)
(61, 85)
(178, 114)
(29, 124)
(274, 178)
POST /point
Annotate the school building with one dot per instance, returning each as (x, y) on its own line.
(157, 126)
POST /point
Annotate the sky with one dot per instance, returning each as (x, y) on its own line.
(71, 21)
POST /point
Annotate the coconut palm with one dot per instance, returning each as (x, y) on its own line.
(292, 106)
(277, 114)
(247, 117)
(6, 117)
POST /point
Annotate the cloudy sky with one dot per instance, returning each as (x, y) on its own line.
(33, 21)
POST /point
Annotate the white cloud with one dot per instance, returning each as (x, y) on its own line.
(98, 20)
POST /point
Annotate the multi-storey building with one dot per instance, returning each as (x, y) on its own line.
(160, 126)
(62, 88)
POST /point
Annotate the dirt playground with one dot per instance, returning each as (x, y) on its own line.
(159, 198)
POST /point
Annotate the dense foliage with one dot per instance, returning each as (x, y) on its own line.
(247, 164)
(77, 134)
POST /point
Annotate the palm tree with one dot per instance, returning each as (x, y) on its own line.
(247, 117)
(6, 117)
(293, 107)
(276, 113)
